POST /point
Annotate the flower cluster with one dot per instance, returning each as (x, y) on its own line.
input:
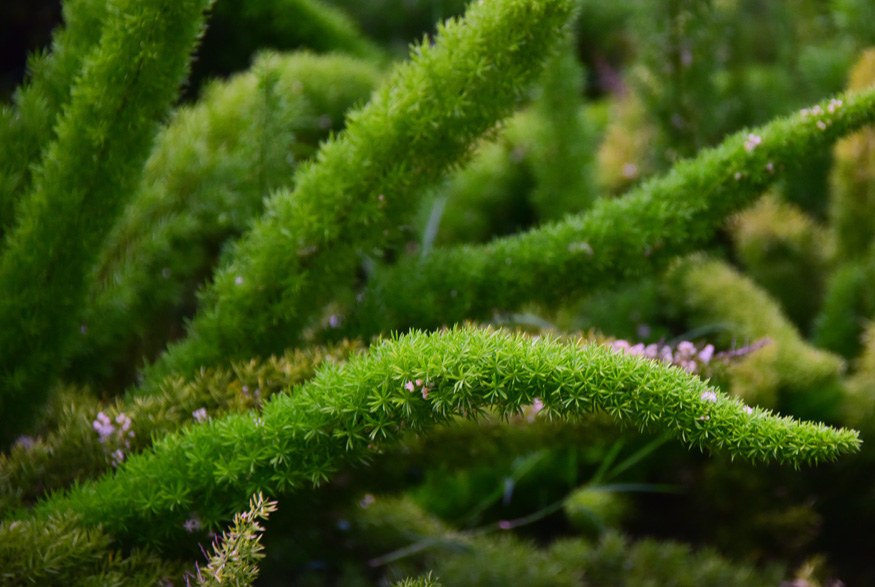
(114, 435)
(420, 385)
(685, 355)
(752, 141)
(815, 111)
(193, 524)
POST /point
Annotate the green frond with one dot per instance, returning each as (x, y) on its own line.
(125, 87)
(306, 436)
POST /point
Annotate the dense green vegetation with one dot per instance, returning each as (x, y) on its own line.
(529, 292)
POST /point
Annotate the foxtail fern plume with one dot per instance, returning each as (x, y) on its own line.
(204, 182)
(616, 240)
(410, 384)
(28, 127)
(362, 185)
(125, 87)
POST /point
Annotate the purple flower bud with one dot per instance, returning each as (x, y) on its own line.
(706, 354)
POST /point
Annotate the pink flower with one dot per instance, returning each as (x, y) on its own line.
(709, 396)
(409, 387)
(620, 345)
(686, 349)
(117, 457)
(192, 524)
(752, 141)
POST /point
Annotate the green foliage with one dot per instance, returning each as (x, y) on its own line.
(591, 510)
(562, 146)
(413, 383)
(236, 554)
(28, 127)
(125, 87)
(487, 197)
(205, 181)
(785, 252)
(846, 306)
(853, 184)
(618, 239)
(238, 29)
(60, 551)
(614, 561)
(676, 73)
(427, 581)
(171, 261)
(788, 373)
(479, 558)
(417, 125)
(859, 410)
(73, 450)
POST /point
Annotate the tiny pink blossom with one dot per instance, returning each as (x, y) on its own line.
(409, 387)
(103, 426)
(620, 345)
(665, 354)
(192, 524)
(630, 170)
(689, 366)
(752, 142)
(709, 396)
(536, 407)
(706, 354)
(686, 349)
(117, 457)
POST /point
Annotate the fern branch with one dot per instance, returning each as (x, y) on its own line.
(411, 384)
(362, 186)
(28, 128)
(204, 182)
(617, 240)
(125, 87)
(79, 446)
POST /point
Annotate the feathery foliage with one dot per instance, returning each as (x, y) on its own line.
(616, 239)
(125, 87)
(205, 181)
(417, 125)
(412, 384)
(175, 251)
(236, 554)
